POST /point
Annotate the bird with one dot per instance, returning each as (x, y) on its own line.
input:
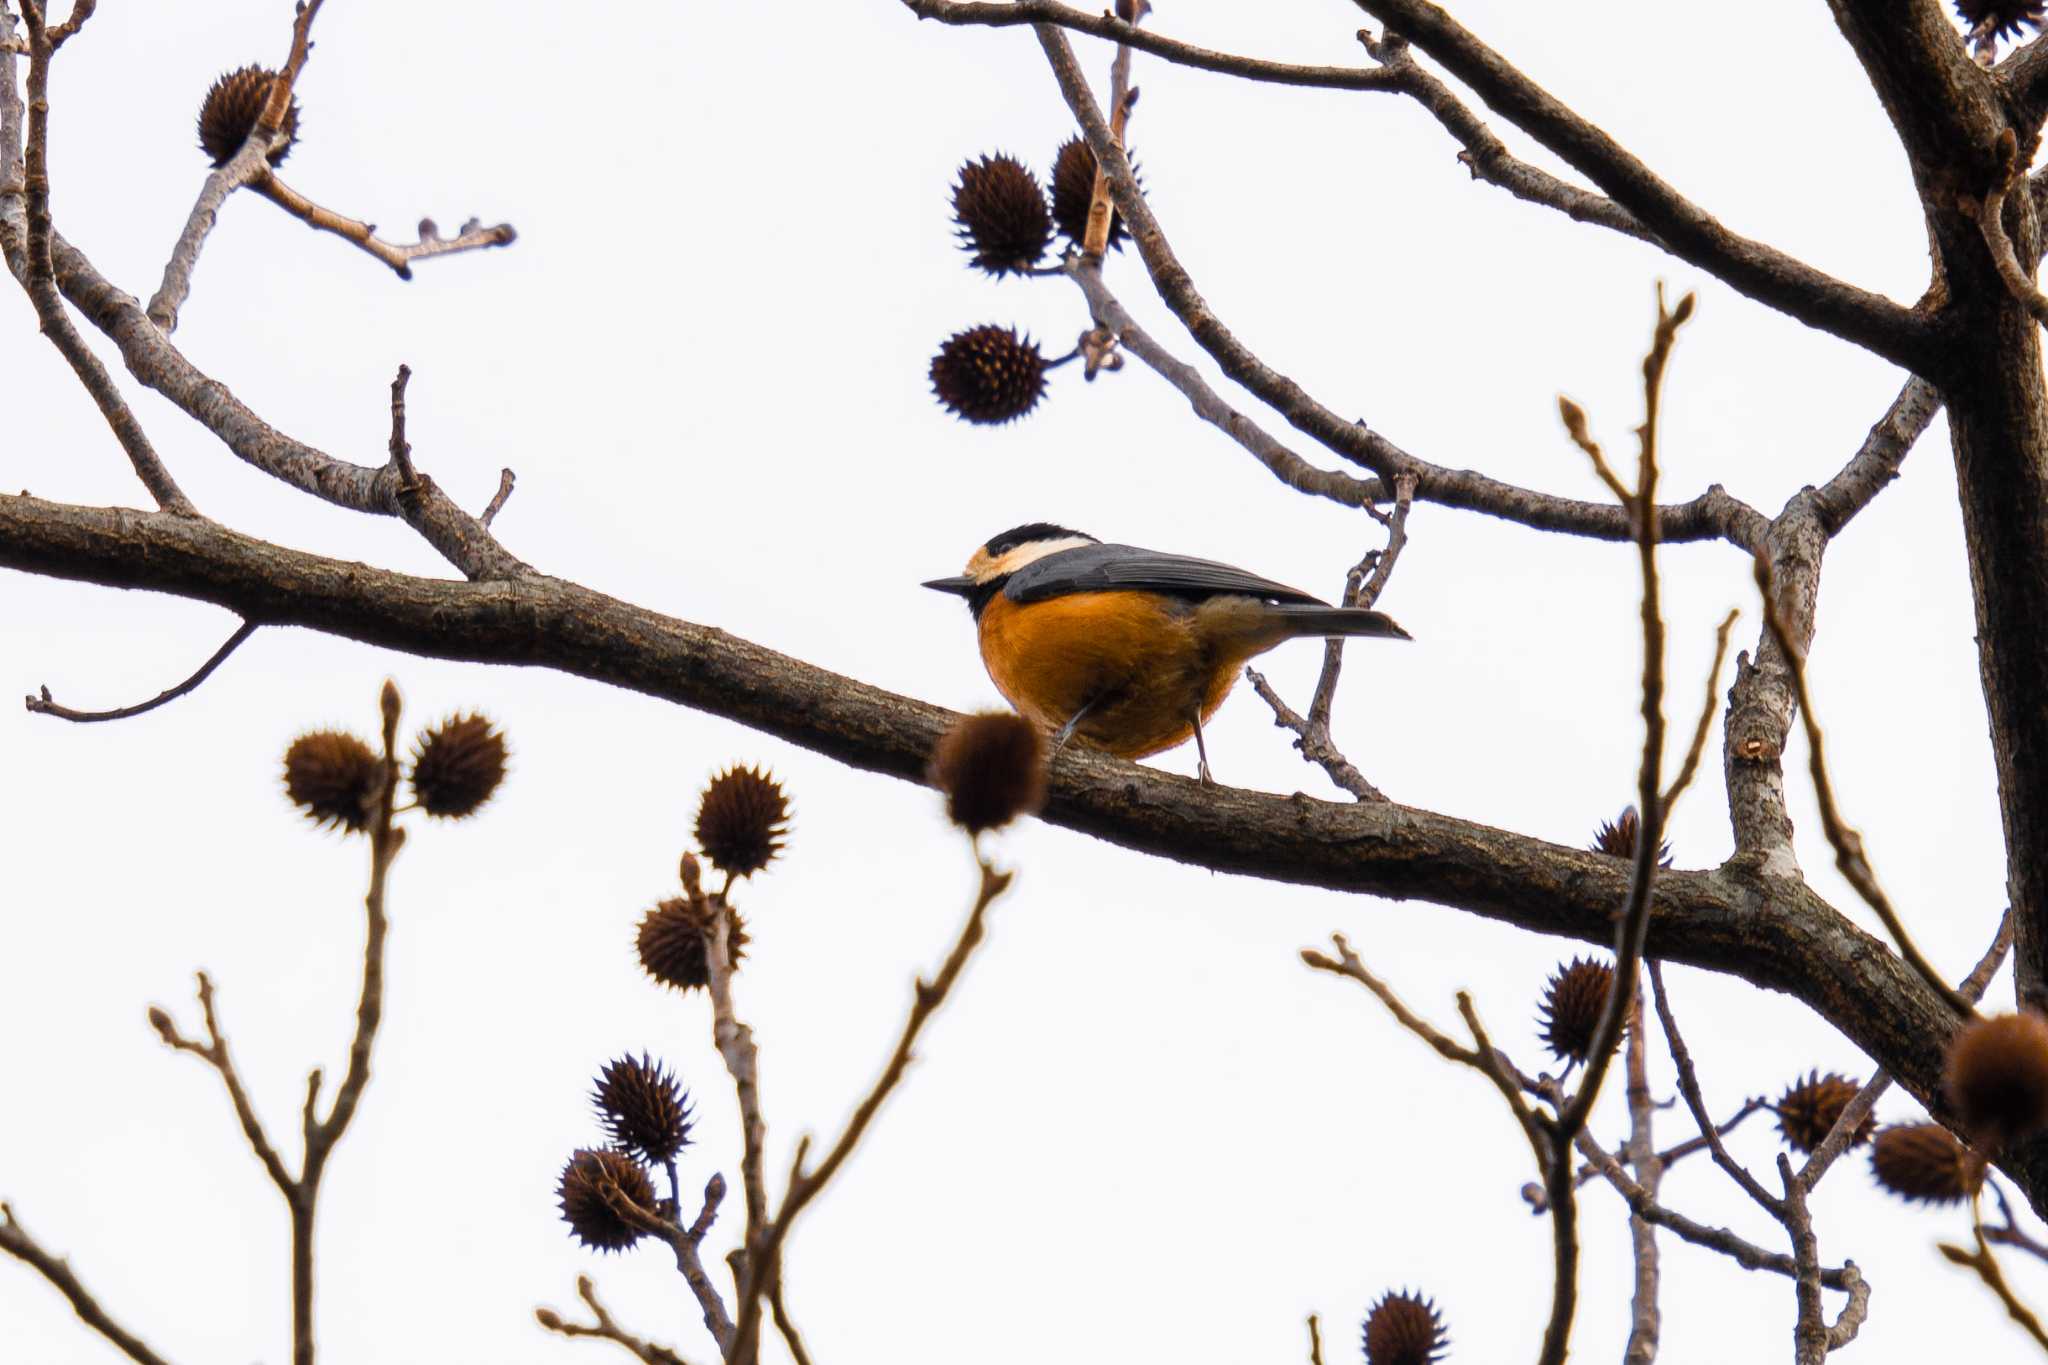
(1125, 649)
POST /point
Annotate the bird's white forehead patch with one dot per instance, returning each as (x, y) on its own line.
(982, 567)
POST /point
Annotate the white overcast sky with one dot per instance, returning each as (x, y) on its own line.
(1143, 1130)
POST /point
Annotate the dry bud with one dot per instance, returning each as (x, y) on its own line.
(160, 1020)
(334, 778)
(1002, 215)
(1808, 1110)
(592, 1181)
(643, 1108)
(1923, 1162)
(1572, 1002)
(742, 821)
(989, 375)
(1997, 1078)
(692, 873)
(548, 1318)
(1618, 839)
(1404, 1329)
(992, 769)
(231, 109)
(671, 942)
(2001, 18)
(1073, 189)
(457, 765)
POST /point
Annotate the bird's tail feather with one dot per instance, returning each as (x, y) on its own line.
(1328, 621)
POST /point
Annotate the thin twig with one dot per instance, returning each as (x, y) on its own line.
(735, 1043)
(1689, 1088)
(401, 449)
(1362, 587)
(506, 478)
(15, 1241)
(1846, 842)
(1707, 712)
(763, 1261)
(1986, 1266)
(1635, 915)
(1990, 216)
(1646, 1321)
(1095, 233)
(249, 164)
(1315, 1341)
(472, 236)
(604, 1328)
(43, 706)
(785, 1324)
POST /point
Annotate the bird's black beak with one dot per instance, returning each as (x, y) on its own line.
(958, 586)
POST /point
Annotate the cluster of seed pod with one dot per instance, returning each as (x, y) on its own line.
(1007, 222)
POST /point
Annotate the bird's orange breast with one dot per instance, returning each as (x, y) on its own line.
(1136, 660)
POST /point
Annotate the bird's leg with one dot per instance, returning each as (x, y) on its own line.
(1066, 732)
(1202, 750)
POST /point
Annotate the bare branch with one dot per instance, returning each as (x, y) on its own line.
(1706, 721)
(1990, 219)
(604, 1328)
(214, 1052)
(1691, 233)
(472, 236)
(16, 1242)
(1986, 1265)
(1107, 25)
(42, 705)
(506, 479)
(764, 1259)
(249, 164)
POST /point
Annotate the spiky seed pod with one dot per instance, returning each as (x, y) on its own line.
(742, 820)
(334, 778)
(591, 1218)
(231, 109)
(1571, 1007)
(1808, 1110)
(1618, 839)
(671, 942)
(1404, 1329)
(643, 1108)
(1923, 1162)
(2003, 18)
(1073, 187)
(457, 765)
(991, 767)
(1997, 1078)
(988, 374)
(1002, 215)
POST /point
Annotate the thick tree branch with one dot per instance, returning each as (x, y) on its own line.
(1773, 932)
(1692, 234)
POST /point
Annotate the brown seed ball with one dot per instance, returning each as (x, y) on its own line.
(1808, 1110)
(988, 375)
(1997, 1077)
(456, 766)
(643, 1108)
(1404, 1329)
(334, 778)
(1002, 215)
(992, 769)
(1618, 839)
(2004, 18)
(231, 109)
(1572, 1002)
(1073, 188)
(1923, 1162)
(742, 820)
(590, 1175)
(671, 942)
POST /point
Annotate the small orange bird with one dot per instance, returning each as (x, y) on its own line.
(1129, 650)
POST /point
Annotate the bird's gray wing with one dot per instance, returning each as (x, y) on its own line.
(1126, 568)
